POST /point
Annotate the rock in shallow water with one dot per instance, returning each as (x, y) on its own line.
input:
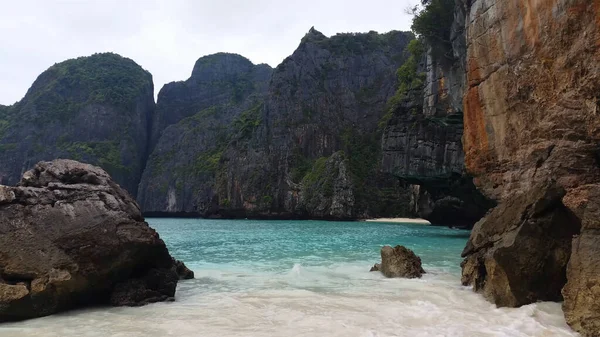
(183, 272)
(72, 237)
(399, 262)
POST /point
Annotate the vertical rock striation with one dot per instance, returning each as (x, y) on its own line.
(530, 115)
(328, 96)
(235, 140)
(195, 121)
(422, 141)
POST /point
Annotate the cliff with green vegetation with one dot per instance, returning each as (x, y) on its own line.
(95, 109)
(195, 121)
(302, 142)
(423, 126)
(349, 126)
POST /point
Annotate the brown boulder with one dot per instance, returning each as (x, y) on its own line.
(582, 291)
(518, 253)
(400, 262)
(376, 267)
(70, 237)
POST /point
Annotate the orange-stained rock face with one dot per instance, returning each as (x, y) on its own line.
(533, 74)
(475, 136)
(530, 115)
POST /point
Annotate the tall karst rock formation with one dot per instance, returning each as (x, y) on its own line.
(302, 141)
(195, 121)
(95, 109)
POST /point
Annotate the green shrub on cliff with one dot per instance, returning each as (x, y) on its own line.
(319, 179)
(409, 78)
(207, 162)
(4, 120)
(247, 121)
(352, 43)
(433, 22)
(107, 153)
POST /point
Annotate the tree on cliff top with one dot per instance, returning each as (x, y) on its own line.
(433, 22)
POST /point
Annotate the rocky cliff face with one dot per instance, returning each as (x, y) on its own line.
(422, 141)
(95, 109)
(217, 80)
(328, 96)
(530, 114)
(196, 120)
(305, 145)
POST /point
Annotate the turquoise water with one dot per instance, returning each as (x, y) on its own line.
(275, 246)
(307, 278)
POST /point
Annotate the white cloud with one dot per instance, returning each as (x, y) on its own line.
(167, 37)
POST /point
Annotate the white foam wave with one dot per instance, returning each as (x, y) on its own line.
(342, 300)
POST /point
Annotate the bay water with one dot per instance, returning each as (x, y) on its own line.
(306, 278)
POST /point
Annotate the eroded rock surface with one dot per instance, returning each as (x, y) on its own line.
(530, 114)
(399, 262)
(70, 237)
(582, 291)
(518, 253)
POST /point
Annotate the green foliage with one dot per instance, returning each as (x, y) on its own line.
(267, 200)
(416, 48)
(433, 22)
(409, 78)
(106, 78)
(317, 178)
(357, 43)
(300, 165)
(5, 119)
(207, 162)
(248, 121)
(105, 153)
(4, 125)
(362, 150)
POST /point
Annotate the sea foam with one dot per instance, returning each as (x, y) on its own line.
(302, 279)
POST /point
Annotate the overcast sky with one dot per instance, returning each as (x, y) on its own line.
(167, 37)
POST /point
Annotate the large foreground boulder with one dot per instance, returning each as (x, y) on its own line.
(69, 237)
(582, 291)
(518, 253)
(399, 262)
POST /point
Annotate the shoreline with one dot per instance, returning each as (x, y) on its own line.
(416, 221)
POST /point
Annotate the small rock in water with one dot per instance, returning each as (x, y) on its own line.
(376, 267)
(182, 270)
(399, 262)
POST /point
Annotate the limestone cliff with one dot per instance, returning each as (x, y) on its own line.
(422, 140)
(530, 115)
(217, 80)
(328, 96)
(305, 144)
(95, 109)
(195, 121)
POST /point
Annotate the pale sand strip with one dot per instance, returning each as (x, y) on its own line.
(401, 220)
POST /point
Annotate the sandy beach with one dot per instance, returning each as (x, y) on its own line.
(401, 220)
